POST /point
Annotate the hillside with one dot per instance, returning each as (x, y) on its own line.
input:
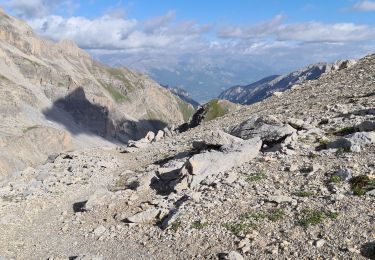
(290, 177)
(57, 93)
(265, 87)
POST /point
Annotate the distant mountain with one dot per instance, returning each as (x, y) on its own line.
(183, 94)
(265, 87)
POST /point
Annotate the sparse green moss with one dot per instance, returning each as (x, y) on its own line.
(303, 193)
(345, 131)
(119, 75)
(116, 94)
(176, 225)
(254, 215)
(186, 109)
(272, 215)
(362, 184)
(215, 110)
(276, 215)
(335, 179)
(199, 225)
(258, 176)
(315, 217)
(239, 228)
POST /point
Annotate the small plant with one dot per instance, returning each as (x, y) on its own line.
(176, 225)
(323, 144)
(362, 184)
(315, 217)
(304, 194)
(254, 216)
(335, 179)
(239, 228)
(345, 131)
(276, 215)
(273, 215)
(342, 150)
(332, 215)
(199, 225)
(258, 176)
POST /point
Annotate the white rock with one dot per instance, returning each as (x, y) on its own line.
(99, 230)
(319, 243)
(159, 136)
(143, 217)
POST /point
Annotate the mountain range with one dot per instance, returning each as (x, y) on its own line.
(259, 90)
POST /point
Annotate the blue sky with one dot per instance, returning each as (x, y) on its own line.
(207, 43)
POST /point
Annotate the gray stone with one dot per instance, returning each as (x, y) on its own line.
(354, 142)
(216, 138)
(99, 230)
(280, 199)
(167, 132)
(98, 198)
(268, 128)
(233, 255)
(159, 136)
(344, 174)
(298, 124)
(371, 192)
(142, 143)
(319, 243)
(367, 126)
(144, 217)
(150, 136)
(208, 164)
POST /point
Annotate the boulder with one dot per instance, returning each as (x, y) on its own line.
(367, 126)
(268, 128)
(216, 139)
(353, 142)
(205, 165)
(142, 143)
(150, 136)
(159, 136)
(144, 217)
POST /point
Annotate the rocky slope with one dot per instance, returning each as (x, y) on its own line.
(57, 92)
(291, 177)
(184, 95)
(265, 87)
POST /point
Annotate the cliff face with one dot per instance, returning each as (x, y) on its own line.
(59, 86)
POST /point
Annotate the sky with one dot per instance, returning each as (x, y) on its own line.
(197, 43)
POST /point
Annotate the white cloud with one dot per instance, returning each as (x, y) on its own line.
(118, 33)
(304, 32)
(364, 6)
(37, 8)
(319, 32)
(252, 31)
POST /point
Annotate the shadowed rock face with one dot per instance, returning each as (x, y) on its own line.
(89, 118)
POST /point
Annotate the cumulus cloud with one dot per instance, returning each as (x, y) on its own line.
(304, 32)
(364, 6)
(37, 8)
(119, 33)
(252, 31)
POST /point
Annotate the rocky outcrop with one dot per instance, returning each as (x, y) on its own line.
(209, 111)
(33, 147)
(268, 128)
(60, 86)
